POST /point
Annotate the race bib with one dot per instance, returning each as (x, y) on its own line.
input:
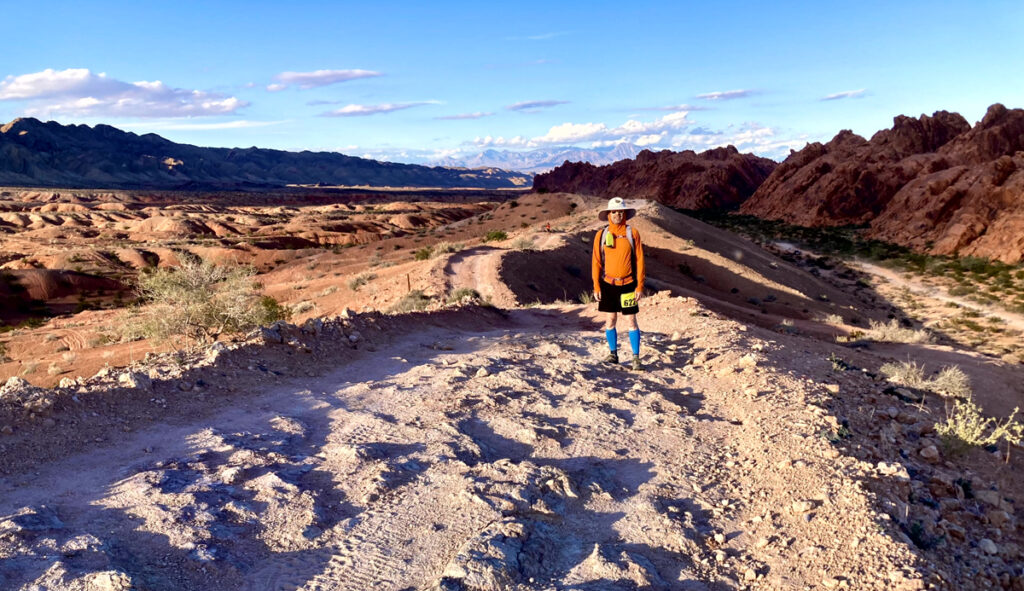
(628, 300)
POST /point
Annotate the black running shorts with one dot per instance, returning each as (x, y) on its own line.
(611, 298)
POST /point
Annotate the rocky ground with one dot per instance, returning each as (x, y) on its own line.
(474, 447)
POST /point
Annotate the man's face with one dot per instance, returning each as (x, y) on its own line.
(616, 216)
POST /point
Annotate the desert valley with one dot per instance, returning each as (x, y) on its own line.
(426, 406)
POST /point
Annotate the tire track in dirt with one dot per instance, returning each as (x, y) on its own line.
(477, 269)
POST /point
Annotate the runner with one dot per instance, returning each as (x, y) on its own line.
(618, 271)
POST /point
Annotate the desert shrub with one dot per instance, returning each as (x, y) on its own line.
(410, 302)
(965, 428)
(197, 302)
(523, 243)
(328, 291)
(29, 368)
(495, 235)
(905, 373)
(423, 254)
(3, 353)
(951, 381)
(54, 370)
(835, 319)
(361, 280)
(303, 307)
(962, 290)
(456, 296)
(447, 248)
(892, 332)
(586, 297)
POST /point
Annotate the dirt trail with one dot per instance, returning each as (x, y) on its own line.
(916, 286)
(506, 458)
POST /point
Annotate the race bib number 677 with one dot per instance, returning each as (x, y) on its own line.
(628, 299)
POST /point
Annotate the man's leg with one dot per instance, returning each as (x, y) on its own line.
(634, 340)
(612, 335)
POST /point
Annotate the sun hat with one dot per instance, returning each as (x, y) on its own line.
(616, 204)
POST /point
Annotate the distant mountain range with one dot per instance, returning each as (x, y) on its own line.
(542, 159)
(33, 153)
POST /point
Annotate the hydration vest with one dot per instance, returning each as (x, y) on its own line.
(632, 247)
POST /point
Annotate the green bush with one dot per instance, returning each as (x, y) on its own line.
(423, 254)
(197, 302)
(495, 236)
(965, 428)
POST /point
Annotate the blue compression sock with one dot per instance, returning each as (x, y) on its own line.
(613, 339)
(634, 341)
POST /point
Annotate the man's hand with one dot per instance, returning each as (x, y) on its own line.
(638, 294)
(597, 296)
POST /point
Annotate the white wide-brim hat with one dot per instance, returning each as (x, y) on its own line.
(616, 204)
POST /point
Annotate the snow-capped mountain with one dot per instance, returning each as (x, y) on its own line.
(541, 159)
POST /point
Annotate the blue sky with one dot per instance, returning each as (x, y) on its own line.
(410, 82)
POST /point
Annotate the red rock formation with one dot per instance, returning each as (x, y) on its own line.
(721, 177)
(934, 184)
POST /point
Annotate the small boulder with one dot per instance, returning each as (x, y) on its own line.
(270, 336)
(930, 453)
(135, 380)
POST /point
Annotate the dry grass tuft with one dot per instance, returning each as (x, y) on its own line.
(893, 332)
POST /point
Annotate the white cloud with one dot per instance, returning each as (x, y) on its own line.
(80, 92)
(845, 94)
(752, 137)
(533, 106)
(632, 131)
(649, 140)
(276, 87)
(307, 80)
(477, 115)
(725, 95)
(568, 133)
(364, 110)
(515, 142)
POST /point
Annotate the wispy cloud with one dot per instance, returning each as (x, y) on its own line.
(533, 106)
(365, 110)
(726, 95)
(845, 94)
(315, 79)
(464, 116)
(80, 92)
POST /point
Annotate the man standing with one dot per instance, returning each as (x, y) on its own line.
(618, 272)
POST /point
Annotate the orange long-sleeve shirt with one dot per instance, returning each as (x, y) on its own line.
(617, 262)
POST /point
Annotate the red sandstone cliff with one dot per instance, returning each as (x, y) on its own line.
(933, 183)
(721, 177)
